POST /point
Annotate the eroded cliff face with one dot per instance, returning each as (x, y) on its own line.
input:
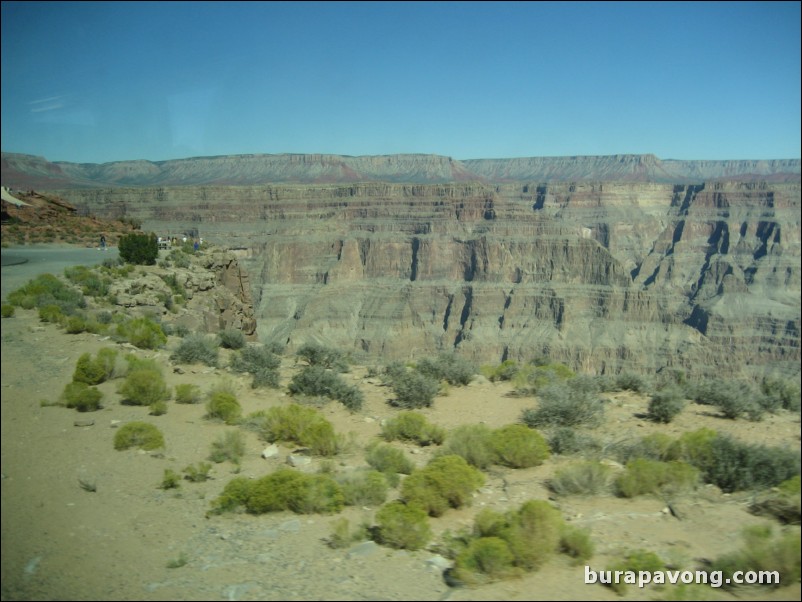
(602, 276)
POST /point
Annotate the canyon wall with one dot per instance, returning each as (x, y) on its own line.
(604, 276)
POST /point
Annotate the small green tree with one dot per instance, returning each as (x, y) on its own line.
(139, 249)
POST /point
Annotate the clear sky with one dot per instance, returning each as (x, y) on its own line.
(107, 81)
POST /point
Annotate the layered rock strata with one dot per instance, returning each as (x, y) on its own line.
(605, 277)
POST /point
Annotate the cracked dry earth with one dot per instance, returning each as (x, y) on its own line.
(62, 542)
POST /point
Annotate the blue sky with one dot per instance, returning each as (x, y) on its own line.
(107, 81)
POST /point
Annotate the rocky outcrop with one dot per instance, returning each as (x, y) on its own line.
(605, 277)
(216, 288)
(26, 171)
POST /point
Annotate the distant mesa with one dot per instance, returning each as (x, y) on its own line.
(22, 171)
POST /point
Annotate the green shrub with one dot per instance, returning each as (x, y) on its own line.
(581, 478)
(47, 289)
(507, 370)
(235, 494)
(448, 367)
(76, 324)
(518, 446)
(158, 408)
(224, 406)
(780, 393)
(290, 490)
(666, 404)
(343, 536)
(530, 379)
(447, 481)
(576, 543)
(196, 349)
(170, 480)
(533, 533)
(763, 551)
(97, 370)
(178, 562)
(229, 446)
(6, 310)
(232, 339)
(782, 502)
(302, 425)
(632, 382)
(316, 380)
(143, 333)
(413, 390)
(736, 466)
(187, 393)
(321, 439)
(144, 387)
(734, 399)
(265, 378)
(565, 405)
(403, 526)
(275, 492)
(363, 488)
(322, 494)
(657, 446)
(635, 561)
(412, 426)
(178, 258)
(254, 359)
(135, 363)
(388, 459)
(139, 249)
(392, 371)
(52, 314)
(747, 403)
(473, 442)
(323, 357)
(733, 465)
(644, 476)
(565, 440)
(198, 473)
(91, 283)
(82, 397)
(792, 486)
(695, 448)
(138, 434)
(487, 556)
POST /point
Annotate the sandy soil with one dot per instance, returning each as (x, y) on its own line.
(62, 542)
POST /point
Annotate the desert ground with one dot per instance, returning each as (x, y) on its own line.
(62, 541)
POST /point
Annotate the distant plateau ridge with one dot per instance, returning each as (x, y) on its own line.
(28, 171)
